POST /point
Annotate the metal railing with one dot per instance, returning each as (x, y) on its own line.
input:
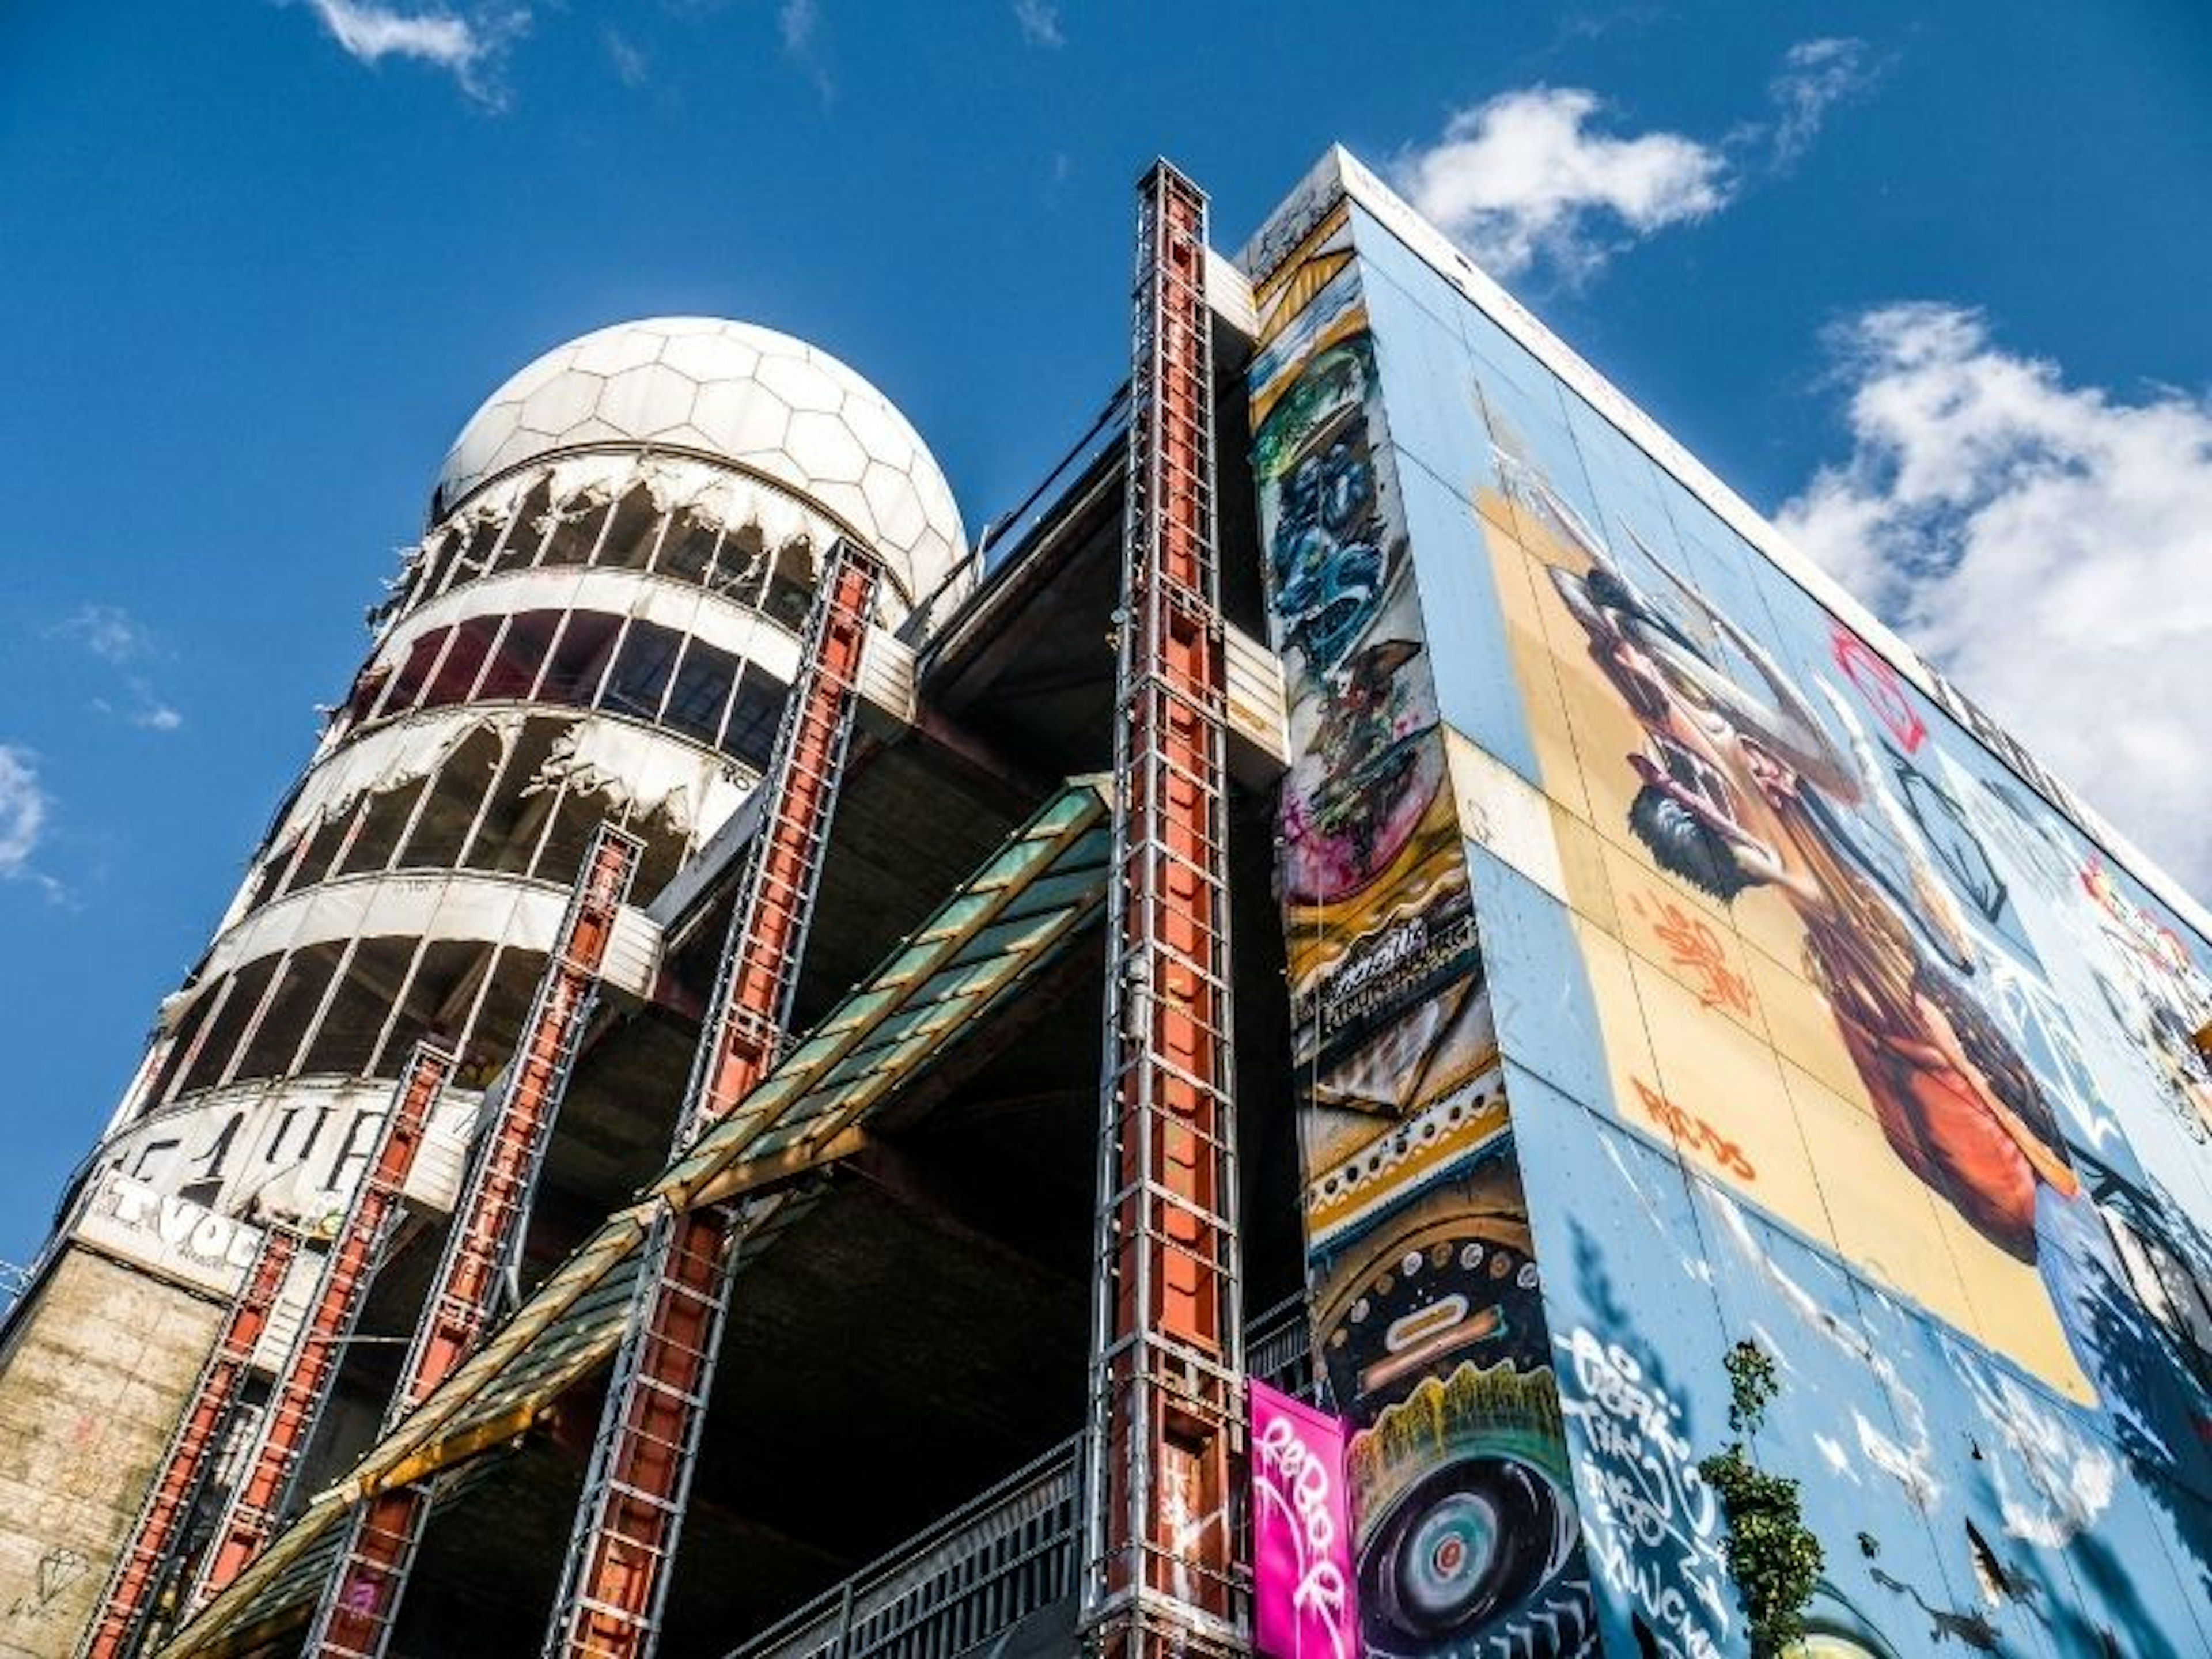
(1004, 1555)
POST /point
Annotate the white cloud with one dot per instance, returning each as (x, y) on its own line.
(108, 631)
(1816, 75)
(1040, 22)
(1523, 178)
(467, 48)
(796, 21)
(799, 23)
(120, 639)
(2047, 546)
(632, 68)
(23, 806)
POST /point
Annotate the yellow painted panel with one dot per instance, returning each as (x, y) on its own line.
(1719, 1093)
(1803, 1026)
(1692, 943)
(1582, 868)
(1558, 762)
(1620, 1014)
(1884, 1217)
(2013, 1312)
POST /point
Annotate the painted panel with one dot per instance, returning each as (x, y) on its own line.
(1425, 1297)
(1304, 1606)
(1822, 1027)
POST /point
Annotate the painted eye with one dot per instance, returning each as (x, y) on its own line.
(1464, 1547)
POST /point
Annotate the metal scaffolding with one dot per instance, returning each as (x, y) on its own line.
(1164, 1447)
(134, 1588)
(303, 1386)
(362, 1596)
(616, 1581)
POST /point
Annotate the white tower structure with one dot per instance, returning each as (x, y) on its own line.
(599, 623)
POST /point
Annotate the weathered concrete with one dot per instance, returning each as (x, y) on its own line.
(90, 1381)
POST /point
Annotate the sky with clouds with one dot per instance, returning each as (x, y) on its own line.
(1925, 283)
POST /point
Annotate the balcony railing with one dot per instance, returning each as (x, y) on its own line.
(999, 1558)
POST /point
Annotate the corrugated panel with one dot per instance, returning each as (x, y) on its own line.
(633, 953)
(1256, 706)
(887, 676)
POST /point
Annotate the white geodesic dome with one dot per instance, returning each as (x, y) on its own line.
(774, 405)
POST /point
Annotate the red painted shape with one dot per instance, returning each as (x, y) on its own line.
(1880, 685)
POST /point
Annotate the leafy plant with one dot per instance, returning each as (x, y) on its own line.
(1772, 1554)
(1752, 1384)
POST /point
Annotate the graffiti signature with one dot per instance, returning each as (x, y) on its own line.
(1686, 1129)
(1652, 1523)
(1695, 947)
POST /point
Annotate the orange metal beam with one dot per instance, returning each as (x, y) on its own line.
(1162, 1574)
(137, 1582)
(296, 1403)
(632, 1510)
(362, 1594)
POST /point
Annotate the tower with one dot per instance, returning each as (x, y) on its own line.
(599, 623)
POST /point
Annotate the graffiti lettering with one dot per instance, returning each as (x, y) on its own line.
(1296, 1484)
(1690, 1131)
(1694, 947)
(1652, 1522)
(1387, 972)
(167, 1231)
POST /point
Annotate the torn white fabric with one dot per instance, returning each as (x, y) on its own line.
(466, 904)
(648, 771)
(737, 629)
(389, 757)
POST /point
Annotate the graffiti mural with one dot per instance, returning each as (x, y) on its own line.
(1428, 1306)
(1677, 964)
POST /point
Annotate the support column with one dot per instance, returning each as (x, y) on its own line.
(303, 1388)
(135, 1587)
(361, 1597)
(628, 1523)
(1164, 1455)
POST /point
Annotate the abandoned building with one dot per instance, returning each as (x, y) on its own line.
(785, 1083)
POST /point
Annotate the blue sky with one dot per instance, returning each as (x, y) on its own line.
(1928, 280)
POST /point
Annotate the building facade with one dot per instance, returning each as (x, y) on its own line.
(1671, 1023)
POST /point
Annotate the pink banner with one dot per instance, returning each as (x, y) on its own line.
(1303, 1602)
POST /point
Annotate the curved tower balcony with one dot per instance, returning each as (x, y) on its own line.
(601, 621)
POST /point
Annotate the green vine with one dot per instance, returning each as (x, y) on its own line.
(1772, 1554)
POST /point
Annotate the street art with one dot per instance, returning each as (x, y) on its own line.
(1748, 983)
(1737, 792)
(1428, 1303)
(1304, 1606)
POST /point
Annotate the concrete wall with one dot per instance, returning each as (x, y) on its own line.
(90, 1383)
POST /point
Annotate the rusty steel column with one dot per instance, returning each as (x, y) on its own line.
(631, 1514)
(132, 1589)
(1164, 1453)
(302, 1388)
(361, 1598)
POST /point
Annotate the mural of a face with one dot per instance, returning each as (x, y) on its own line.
(1739, 792)
(1326, 555)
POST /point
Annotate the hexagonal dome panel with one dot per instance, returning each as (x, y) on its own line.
(743, 394)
